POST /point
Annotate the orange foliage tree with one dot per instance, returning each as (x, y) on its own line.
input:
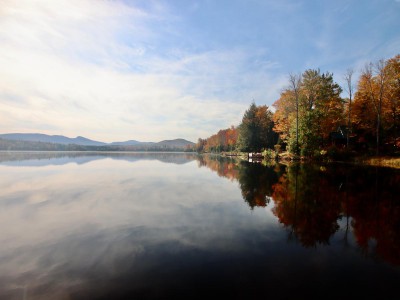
(306, 114)
(377, 103)
(224, 140)
(285, 114)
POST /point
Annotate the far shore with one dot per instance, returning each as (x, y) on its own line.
(378, 161)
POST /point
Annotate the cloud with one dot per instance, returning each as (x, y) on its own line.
(83, 98)
(116, 70)
(113, 71)
(93, 68)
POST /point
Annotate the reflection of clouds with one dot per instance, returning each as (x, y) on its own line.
(36, 159)
(90, 254)
(60, 220)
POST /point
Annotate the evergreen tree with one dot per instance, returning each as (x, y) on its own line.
(255, 131)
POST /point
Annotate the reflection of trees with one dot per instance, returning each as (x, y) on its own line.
(310, 201)
(374, 205)
(224, 166)
(256, 182)
(305, 202)
(369, 197)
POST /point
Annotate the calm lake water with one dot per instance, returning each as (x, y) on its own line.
(174, 225)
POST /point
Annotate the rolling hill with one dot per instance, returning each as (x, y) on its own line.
(56, 139)
(36, 140)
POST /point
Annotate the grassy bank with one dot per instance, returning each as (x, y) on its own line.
(383, 161)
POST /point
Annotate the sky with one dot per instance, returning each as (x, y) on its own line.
(115, 70)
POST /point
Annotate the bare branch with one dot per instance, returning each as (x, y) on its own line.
(348, 76)
(295, 81)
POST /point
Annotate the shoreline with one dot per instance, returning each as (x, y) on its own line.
(373, 161)
(380, 161)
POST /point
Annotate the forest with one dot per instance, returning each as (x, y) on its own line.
(311, 118)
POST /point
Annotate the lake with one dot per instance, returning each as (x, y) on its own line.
(183, 226)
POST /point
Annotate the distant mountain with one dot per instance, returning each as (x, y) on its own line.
(131, 145)
(177, 143)
(56, 139)
(126, 143)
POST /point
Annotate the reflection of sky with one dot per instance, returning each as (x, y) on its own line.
(88, 214)
(111, 225)
(37, 159)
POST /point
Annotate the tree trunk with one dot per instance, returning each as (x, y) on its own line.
(378, 125)
(348, 124)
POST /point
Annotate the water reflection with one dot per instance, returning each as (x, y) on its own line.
(43, 158)
(312, 201)
(131, 226)
(308, 203)
(255, 180)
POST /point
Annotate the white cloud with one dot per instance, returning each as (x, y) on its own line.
(91, 68)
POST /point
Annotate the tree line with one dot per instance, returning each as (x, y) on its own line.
(17, 145)
(311, 117)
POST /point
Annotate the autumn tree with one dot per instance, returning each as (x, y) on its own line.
(224, 140)
(200, 145)
(285, 114)
(231, 138)
(321, 109)
(392, 100)
(307, 114)
(376, 103)
(375, 85)
(295, 82)
(363, 121)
